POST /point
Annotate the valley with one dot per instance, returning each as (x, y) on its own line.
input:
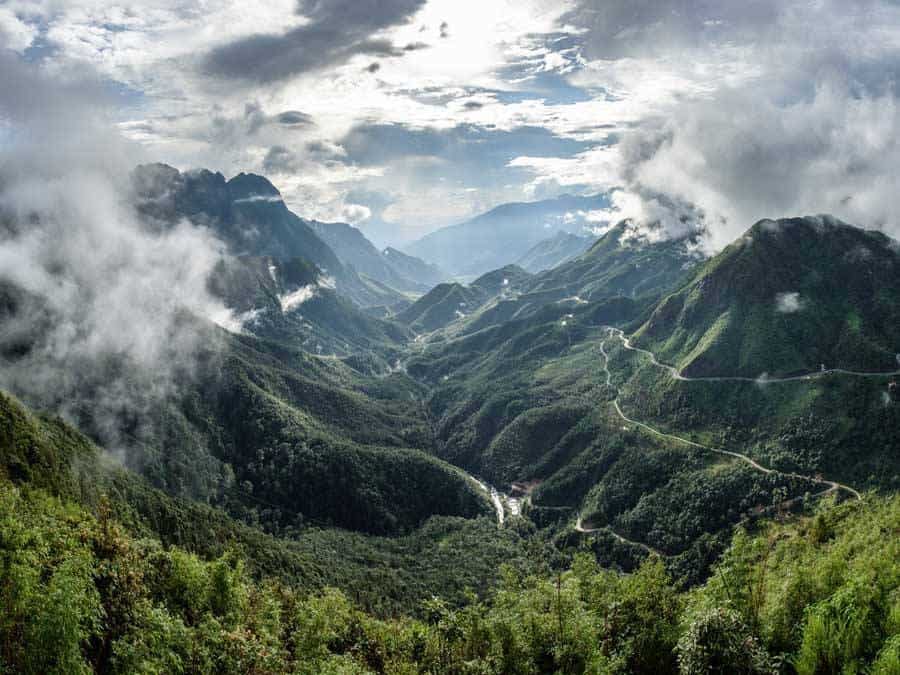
(335, 432)
(428, 337)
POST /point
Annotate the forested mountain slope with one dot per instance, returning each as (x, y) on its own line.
(86, 591)
(390, 267)
(341, 468)
(622, 264)
(293, 302)
(451, 302)
(43, 454)
(248, 214)
(525, 403)
(788, 297)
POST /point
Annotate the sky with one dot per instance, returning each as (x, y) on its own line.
(402, 116)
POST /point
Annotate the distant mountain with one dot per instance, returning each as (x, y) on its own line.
(390, 267)
(502, 281)
(450, 302)
(623, 264)
(504, 234)
(787, 297)
(552, 252)
(249, 215)
(415, 268)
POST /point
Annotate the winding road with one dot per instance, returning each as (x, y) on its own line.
(829, 485)
(580, 527)
(762, 379)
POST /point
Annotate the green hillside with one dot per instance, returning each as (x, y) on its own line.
(442, 305)
(42, 456)
(788, 297)
(621, 264)
(322, 447)
(84, 591)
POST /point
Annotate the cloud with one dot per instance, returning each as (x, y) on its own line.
(258, 198)
(466, 143)
(294, 299)
(742, 156)
(355, 213)
(810, 87)
(185, 114)
(15, 34)
(279, 160)
(335, 31)
(99, 308)
(788, 303)
(619, 28)
(768, 109)
(294, 118)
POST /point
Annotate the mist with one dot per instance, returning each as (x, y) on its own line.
(793, 112)
(100, 310)
(731, 162)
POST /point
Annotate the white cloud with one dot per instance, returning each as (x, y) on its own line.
(15, 34)
(597, 168)
(294, 299)
(743, 157)
(355, 213)
(258, 198)
(720, 107)
(788, 303)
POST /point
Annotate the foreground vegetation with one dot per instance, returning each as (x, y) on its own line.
(80, 594)
(101, 573)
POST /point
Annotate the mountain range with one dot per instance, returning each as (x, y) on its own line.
(550, 253)
(248, 214)
(390, 267)
(505, 234)
(788, 297)
(366, 423)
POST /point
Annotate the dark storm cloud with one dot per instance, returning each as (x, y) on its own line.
(337, 31)
(611, 29)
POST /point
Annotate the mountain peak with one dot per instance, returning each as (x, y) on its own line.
(786, 297)
(253, 186)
